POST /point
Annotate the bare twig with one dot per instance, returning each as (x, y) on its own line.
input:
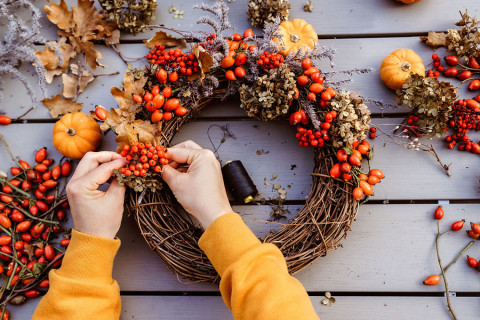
(26, 112)
(447, 293)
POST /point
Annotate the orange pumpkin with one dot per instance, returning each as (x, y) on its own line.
(398, 65)
(297, 34)
(408, 1)
(76, 134)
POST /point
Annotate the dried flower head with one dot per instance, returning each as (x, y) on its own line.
(130, 15)
(431, 100)
(261, 12)
(466, 40)
(353, 120)
(271, 95)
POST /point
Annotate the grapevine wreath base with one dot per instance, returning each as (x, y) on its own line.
(317, 228)
(273, 77)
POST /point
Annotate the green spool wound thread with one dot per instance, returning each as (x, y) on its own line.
(238, 181)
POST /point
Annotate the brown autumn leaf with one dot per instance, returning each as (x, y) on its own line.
(59, 105)
(124, 98)
(204, 59)
(50, 60)
(435, 39)
(126, 135)
(165, 40)
(115, 117)
(145, 130)
(30, 248)
(59, 15)
(71, 83)
(81, 25)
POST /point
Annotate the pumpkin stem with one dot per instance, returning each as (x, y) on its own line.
(70, 131)
(406, 66)
(294, 38)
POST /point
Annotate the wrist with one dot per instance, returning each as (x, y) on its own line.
(207, 219)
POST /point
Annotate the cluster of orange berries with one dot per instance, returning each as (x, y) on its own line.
(312, 80)
(314, 137)
(236, 56)
(173, 59)
(270, 60)
(143, 158)
(348, 167)
(160, 104)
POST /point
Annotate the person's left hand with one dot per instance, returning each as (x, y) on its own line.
(96, 212)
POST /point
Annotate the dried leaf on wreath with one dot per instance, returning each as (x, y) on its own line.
(204, 59)
(126, 135)
(435, 39)
(166, 40)
(59, 105)
(145, 130)
(124, 98)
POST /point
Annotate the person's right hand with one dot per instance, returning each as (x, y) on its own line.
(199, 189)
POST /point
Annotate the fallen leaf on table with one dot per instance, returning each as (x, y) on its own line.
(71, 83)
(59, 105)
(59, 14)
(166, 40)
(435, 39)
(204, 59)
(81, 25)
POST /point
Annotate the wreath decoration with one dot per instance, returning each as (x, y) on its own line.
(274, 78)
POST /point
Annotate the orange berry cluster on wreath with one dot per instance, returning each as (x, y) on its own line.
(232, 63)
(348, 167)
(143, 158)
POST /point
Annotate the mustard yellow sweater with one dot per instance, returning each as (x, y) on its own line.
(255, 283)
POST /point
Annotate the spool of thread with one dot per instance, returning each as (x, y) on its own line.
(238, 181)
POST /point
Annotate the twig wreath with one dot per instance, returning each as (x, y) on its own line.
(274, 78)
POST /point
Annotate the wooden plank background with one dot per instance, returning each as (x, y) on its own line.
(379, 269)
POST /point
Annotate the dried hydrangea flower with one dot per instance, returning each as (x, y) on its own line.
(431, 100)
(130, 15)
(353, 120)
(271, 95)
(261, 12)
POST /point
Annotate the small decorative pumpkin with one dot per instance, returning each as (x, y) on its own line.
(76, 134)
(398, 65)
(408, 1)
(297, 34)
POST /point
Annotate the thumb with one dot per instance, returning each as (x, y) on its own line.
(170, 175)
(116, 191)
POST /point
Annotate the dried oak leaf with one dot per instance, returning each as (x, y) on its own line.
(59, 15)
(126, 135)
(81, 25)
(50, 60)
(204, 59)
(71, 83)
(59, 105)
(435, 39)
(166, 40)
(124, 98)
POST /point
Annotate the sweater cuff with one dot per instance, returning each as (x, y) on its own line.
(89, 258)
(226, 240)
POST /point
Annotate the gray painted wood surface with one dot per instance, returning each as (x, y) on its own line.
(391, 247)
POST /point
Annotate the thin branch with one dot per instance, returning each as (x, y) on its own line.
(447, 293)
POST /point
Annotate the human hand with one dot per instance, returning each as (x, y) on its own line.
(96, 212)
(199, 188)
